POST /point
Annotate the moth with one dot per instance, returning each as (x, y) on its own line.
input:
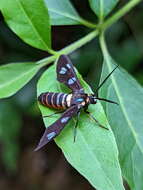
(70, 104)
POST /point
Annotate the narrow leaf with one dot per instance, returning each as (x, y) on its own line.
(102, 7)
(125, 120)
(62, 12)
(14, 76)
(94, 154)
(29, 20)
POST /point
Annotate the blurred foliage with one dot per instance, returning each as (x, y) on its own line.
(125, 39)
(10, 124)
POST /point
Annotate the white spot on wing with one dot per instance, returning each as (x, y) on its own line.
(63, 70)
(64, 119)
(68, 65)
(51, 135)
(71, 80)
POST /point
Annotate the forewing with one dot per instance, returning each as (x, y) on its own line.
(53, 130)
(66, 74)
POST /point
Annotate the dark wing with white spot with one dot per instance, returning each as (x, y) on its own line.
(66, 74)
(53, 130)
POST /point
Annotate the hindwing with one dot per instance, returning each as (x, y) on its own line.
(53, 130)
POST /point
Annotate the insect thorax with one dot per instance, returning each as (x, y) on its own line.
(80, 98)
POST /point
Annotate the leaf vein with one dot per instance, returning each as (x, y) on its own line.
(16, 78)
(32, 24)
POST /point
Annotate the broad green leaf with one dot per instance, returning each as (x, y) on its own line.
(125, 119)
(94, 154)
(62, 12)
(14, 76)
(10, 124)
(29, 20)
(102, 7)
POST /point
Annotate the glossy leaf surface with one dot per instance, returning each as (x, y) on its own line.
(125, 120)
(102, 7)
(29, 20)
(62, 12)
(14, 76)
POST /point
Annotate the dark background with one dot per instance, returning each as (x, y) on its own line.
(21, 125)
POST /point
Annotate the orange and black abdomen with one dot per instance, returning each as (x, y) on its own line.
(54, 100)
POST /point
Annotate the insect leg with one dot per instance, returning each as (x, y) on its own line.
(93, 118)
(75, 127)
(61, 111)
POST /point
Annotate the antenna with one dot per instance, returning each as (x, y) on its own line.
(105, 79)
(106, 100)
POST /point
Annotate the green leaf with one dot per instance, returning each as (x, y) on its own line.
(10, 124)
(29, 20)
(14, 76)
(102, 7)
(94, 154)
(125, 119)
(62, 12)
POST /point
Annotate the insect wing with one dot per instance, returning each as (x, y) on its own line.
(53, 130)
(66, 74)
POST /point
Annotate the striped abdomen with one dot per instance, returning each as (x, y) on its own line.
(55, 100)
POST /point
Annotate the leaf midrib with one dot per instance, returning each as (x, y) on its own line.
(32, 24)
(94, 158)
(101, 9)
(65, 15)
(17, 78)
(121, 102)
(91, 152)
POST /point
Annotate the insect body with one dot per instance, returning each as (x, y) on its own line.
(63, 101)
(71, 103)
(55, 100)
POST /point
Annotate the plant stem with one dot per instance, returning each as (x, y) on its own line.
(46, 61)
(87, 23)
(91, 35)
(79, 43)
(70, 48)
(119, 14)
(103, 45)
(51, 51)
